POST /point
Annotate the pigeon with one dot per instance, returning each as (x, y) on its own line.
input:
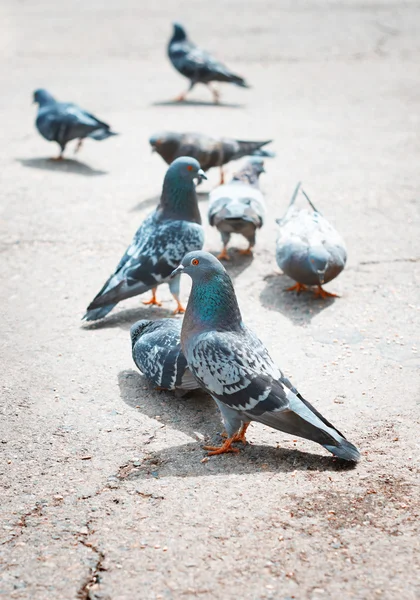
(210, 152)
(308, 248)
(197, 65)
(239, 207)
(156, 347)
(234, 367)
(159, 244)
(62, 122)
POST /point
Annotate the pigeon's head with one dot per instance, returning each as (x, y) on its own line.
(251, 170)
(165, 143)
(184, 170)
(199, 266)
(138, 329)
(318, 262)
(179, 34)
(42, 97)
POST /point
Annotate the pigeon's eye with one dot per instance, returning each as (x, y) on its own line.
(190, 167)
(195, 262)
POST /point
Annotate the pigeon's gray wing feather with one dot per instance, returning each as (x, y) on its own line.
(159, 357)
(157, 249)
(238, 371)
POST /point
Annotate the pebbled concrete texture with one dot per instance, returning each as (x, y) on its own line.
(104, 495)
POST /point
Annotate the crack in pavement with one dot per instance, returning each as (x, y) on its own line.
(93, 580)
(21, 523)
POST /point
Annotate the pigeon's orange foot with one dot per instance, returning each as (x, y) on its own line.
(152, 301)
(160, 389)
(226, 447)
(299, 287)
(57, 158)
(240, 436)
(246, 252)
(223, 255)
(180, 98)
(179, 309)
(319, 292)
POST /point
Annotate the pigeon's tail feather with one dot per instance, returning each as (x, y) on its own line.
(247, 148)
(303, 420)
(101, 134)
(98, 313)
(264, 153)
(240, 81)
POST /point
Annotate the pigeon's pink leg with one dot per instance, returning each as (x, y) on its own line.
(246, 252)
(78, 146)
(226, 447)
(223, 255)
(216, 94)
(324, 294)
(179, 308)
(240, 436)
(222, 176)
(299, 287)
(181, 97)
(153, 300)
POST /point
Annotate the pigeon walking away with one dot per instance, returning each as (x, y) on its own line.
(197, 65)
(159, 244)
(234, 367)
(239, 207)
(156, 347)
(62, 122)
(308, 248)
(210, 152)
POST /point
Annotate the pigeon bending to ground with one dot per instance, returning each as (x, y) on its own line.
(62, 122)
(210, 152)
(239, 207)
(197, 65)
(308, 248)
(156, 347)
(159, 244)
(234, 367)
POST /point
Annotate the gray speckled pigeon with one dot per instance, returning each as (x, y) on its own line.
(210, 152)
(239, 207)
(197, 65)
(308, 248)
(159, 244)
(156, 347)
(235, 368)
(62, 122)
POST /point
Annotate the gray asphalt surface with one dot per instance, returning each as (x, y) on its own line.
(104, 495)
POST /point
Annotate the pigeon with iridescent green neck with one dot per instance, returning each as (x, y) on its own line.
(159, 244)
(234, 367)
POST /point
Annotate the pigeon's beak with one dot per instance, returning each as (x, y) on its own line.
(201, 175)
(177, 271)
(321, 275)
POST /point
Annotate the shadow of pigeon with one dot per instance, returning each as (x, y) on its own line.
(126, 318)
(197, 103)
(300, 309)
(185, 461)
(68, 165)
(154, 201)
(194, 412)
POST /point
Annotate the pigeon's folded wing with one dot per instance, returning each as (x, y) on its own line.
(238, 371)
(156, 250)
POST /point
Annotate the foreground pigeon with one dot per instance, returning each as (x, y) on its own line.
(62, 122)
(210, 152)
(308, 248)
(234, 367)
(239, 207)
(197, 65)
(159, 244)
(156, 347)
